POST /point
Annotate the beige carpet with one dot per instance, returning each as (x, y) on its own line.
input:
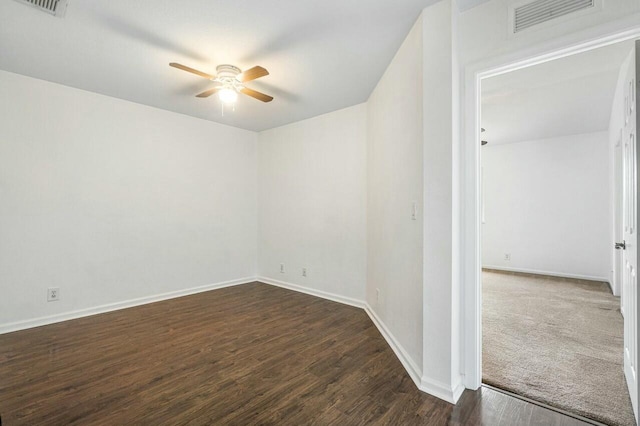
(557, 341)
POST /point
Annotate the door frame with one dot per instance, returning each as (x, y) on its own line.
(470, 170)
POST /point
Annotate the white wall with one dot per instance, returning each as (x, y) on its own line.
(546, 203)
(312, 203)
(441, 291)
(111, 200)
(394, 183)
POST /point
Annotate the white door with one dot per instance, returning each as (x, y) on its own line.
(630, 252)
(618, 216)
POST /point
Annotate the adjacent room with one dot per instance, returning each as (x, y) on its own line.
(268, 213)
(552, 183)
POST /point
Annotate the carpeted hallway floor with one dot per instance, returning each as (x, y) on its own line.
(557, 341)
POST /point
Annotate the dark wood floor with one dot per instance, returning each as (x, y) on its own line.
(250, 354)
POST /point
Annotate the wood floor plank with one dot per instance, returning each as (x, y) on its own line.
(244, 355)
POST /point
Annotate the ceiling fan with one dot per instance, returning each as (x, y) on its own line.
(230, 81)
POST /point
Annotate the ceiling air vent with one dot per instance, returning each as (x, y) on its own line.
(540, 11)
(53, 7)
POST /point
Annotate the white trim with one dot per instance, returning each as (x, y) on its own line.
(313, 292)
(441, 390)
(66, 316)
(401, 353)
(548, 273)
(571, 44)
(457, 391)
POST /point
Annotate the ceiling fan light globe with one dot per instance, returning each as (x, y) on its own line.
(228, 96)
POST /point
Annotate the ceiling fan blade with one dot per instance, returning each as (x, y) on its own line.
(207, 93)
(252, 74)
(192, 71)
(255, 94)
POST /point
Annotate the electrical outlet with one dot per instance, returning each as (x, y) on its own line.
(507, 256)
(414, 211)
(282, 268)
(377, 295)
(304, 272)
(53, 294)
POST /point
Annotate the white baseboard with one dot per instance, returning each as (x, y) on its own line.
(441, 390)
(548, 273)
(313, 292)
(457, 390)
(65, 316)
(414, 371)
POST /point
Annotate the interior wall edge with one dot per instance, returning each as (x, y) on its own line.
(442, 390)
(403, 356)
(313, 292)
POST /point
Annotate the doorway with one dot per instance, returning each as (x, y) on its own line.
(552, 327)
(473, 364)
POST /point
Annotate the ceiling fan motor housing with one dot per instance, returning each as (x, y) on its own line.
(227, 75)
(227, 72)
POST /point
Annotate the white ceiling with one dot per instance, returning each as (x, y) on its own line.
(568, 96)
(322, 55)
